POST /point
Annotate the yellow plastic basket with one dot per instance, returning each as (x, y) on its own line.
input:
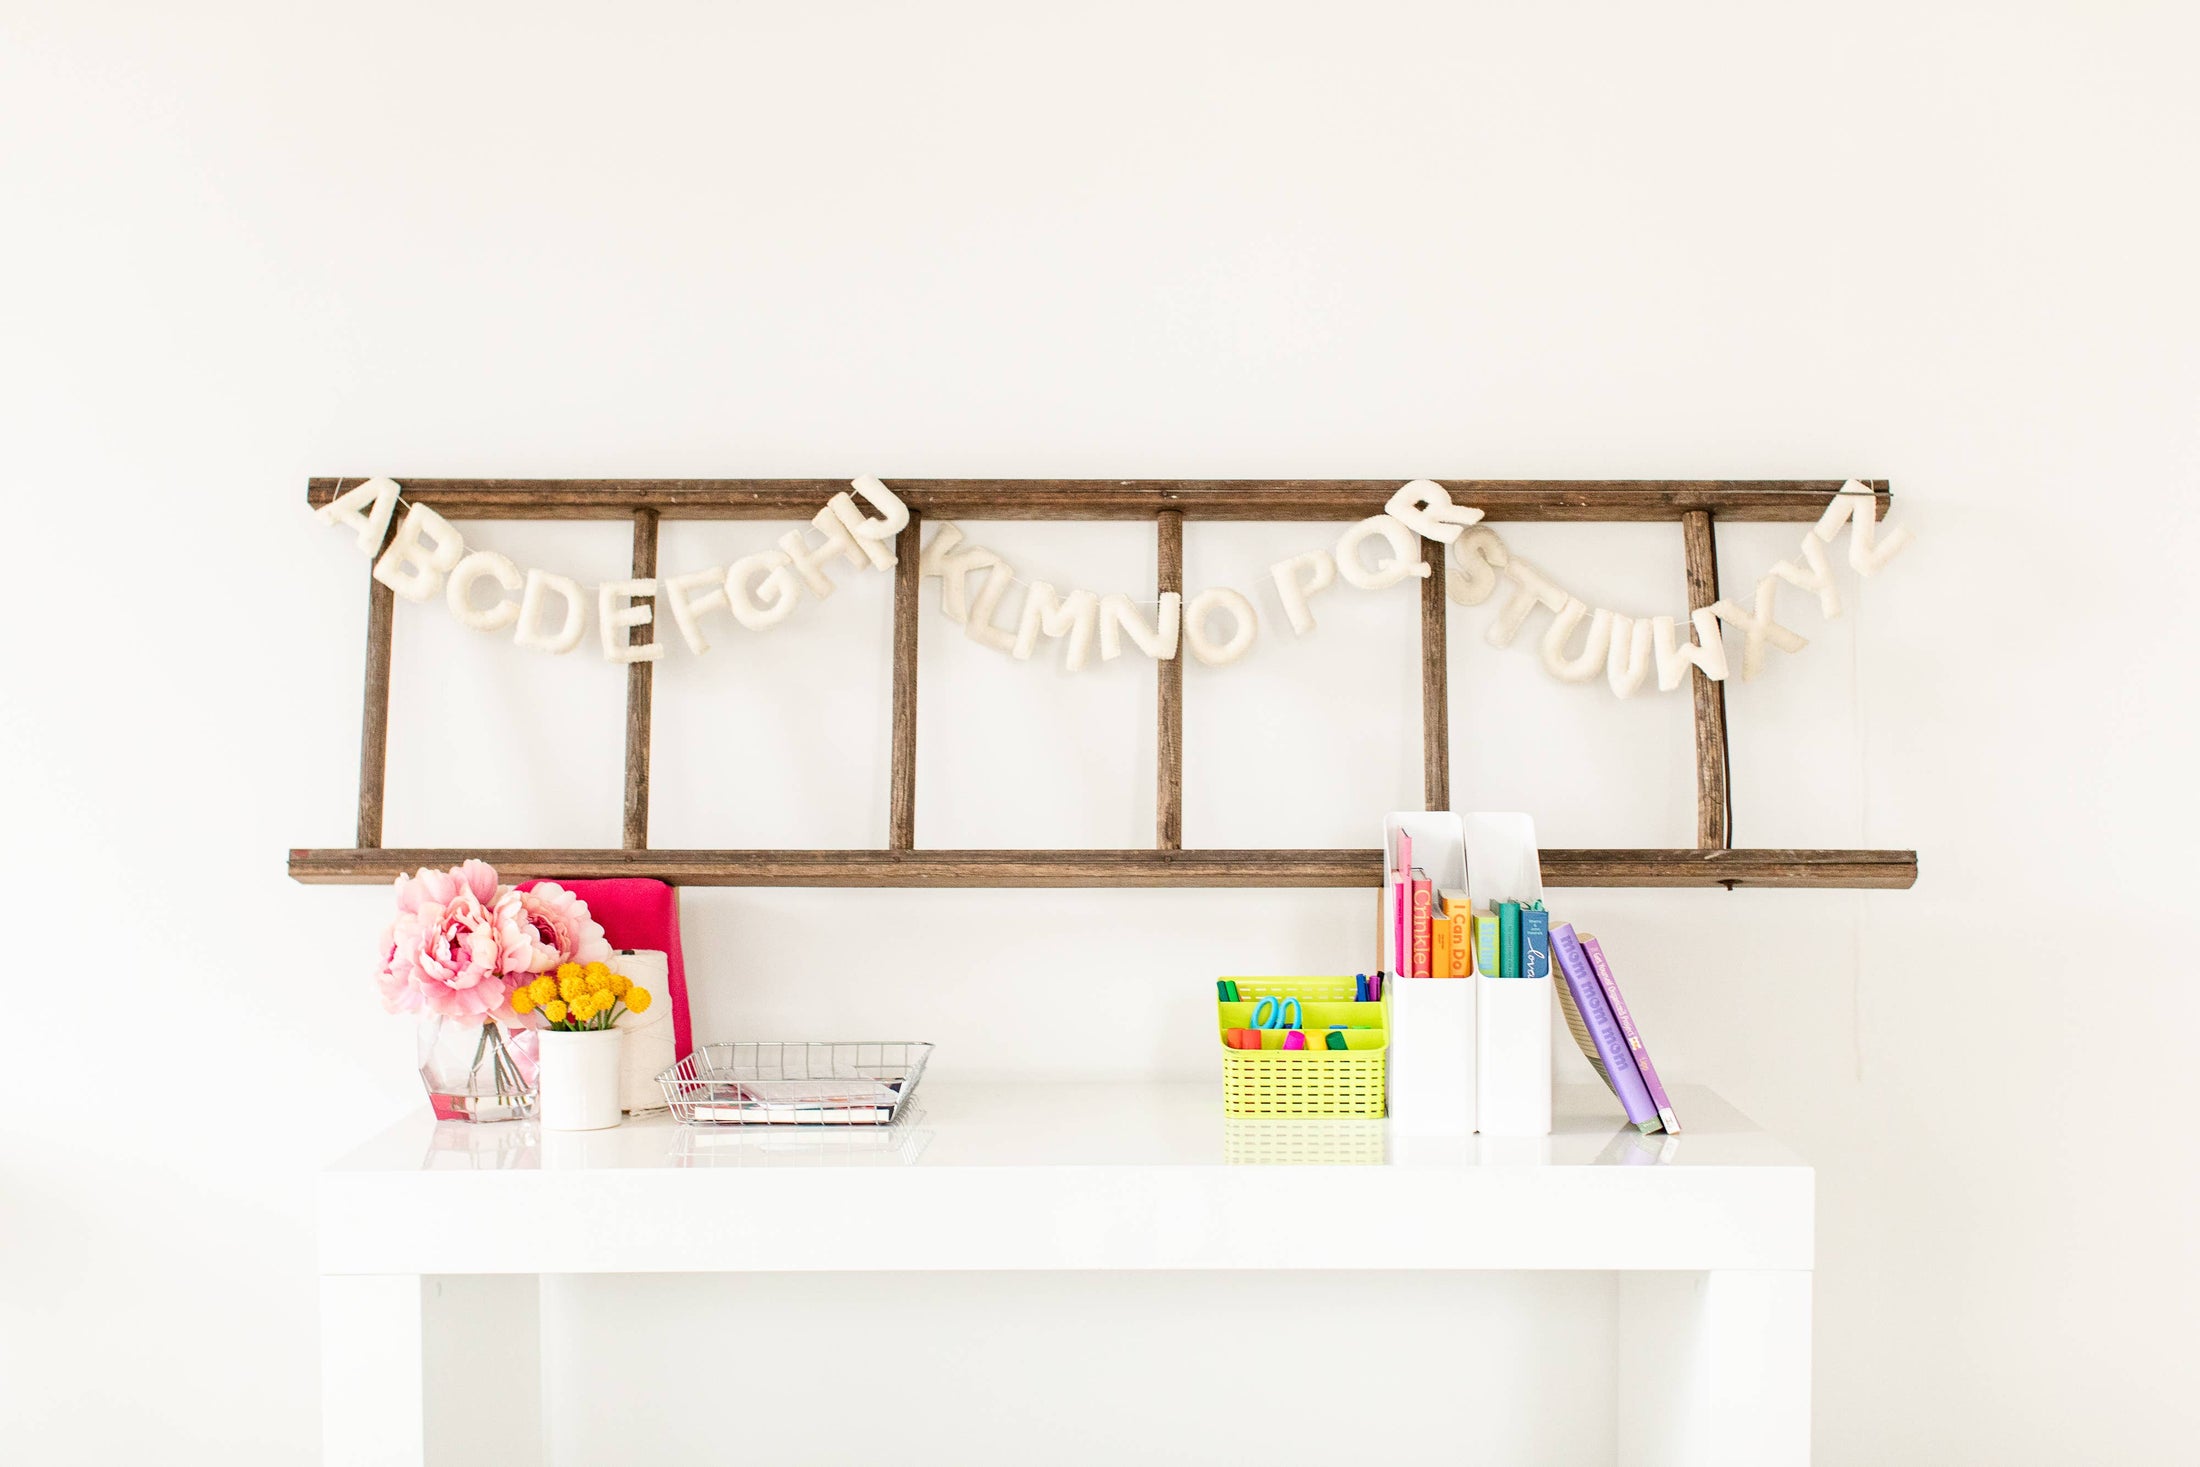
(1316, 1081)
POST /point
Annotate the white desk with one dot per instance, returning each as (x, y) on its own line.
(432, 1237)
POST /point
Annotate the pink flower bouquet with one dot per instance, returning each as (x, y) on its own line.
(460, 942)
(458, 950)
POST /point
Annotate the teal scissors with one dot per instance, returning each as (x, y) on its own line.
(1270, 1014)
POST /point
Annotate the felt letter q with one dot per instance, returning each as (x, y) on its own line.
(1405, 554)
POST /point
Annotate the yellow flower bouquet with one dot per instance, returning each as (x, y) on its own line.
(578, 997)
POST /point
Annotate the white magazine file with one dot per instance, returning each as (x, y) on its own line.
(1513, 1034)
(1431, 1067)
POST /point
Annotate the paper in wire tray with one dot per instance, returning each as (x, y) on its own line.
(783, 1083)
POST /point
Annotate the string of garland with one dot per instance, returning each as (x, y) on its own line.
(427, 557)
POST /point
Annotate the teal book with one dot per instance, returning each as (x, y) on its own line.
(1508, 939)
(1535, 941)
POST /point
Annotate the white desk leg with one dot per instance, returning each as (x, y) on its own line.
(1714, 1369)
(418, 1372)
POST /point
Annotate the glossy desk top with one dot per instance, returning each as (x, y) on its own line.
(1070, 1125)
(1074, 1176)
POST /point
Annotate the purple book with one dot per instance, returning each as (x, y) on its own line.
(1641, 1051)
(1604, 1032)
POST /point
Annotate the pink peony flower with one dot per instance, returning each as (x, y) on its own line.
(441, 951)
(544, 926)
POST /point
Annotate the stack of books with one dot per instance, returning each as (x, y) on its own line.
(1441, 935)
(1598, 1018)
(1434, 932)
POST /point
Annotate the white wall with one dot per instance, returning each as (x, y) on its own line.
(1945, 244)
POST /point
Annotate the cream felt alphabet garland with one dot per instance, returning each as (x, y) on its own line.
(426, 556)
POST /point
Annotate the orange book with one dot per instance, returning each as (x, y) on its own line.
(1439, 947)
(1458, 922)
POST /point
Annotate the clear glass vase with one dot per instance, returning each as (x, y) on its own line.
(475, 1071)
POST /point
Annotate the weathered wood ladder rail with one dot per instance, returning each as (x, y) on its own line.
(1696, 505)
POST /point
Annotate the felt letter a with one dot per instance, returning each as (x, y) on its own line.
(379, 496)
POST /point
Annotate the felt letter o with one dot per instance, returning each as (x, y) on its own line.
(1202, 606)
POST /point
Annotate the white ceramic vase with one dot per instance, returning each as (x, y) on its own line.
(579, 1082)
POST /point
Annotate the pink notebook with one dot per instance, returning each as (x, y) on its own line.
(637, 912)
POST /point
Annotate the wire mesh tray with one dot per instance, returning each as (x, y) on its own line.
(781, 1083)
